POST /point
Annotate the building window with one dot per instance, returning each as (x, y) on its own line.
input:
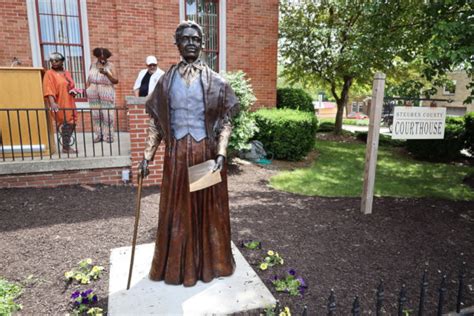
(450, 88)
(59, 25)
(206, 14)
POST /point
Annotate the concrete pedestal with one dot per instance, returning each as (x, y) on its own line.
(241, 292)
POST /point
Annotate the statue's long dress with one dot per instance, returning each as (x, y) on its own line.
(193, 238)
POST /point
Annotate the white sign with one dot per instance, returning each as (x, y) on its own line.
(411, 122)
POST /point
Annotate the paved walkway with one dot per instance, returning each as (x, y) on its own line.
(358, 128)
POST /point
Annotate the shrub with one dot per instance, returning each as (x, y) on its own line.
(288, 134)
(441, 150)
(384, 140)
(244, 126)
(326, 127)
(296, 99)
(469, 132)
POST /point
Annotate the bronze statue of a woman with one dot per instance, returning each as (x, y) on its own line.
(191, 110)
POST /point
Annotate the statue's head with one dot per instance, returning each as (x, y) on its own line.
(188, 38)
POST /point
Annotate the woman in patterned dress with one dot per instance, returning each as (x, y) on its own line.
(101, 95)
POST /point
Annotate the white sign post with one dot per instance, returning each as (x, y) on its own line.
(372, 142)
(418, 122)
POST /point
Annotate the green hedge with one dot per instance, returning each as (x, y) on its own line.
(384, 140)
(287, 134)
(442, 150)
(326, 127)
(293, 98)
(469, 132)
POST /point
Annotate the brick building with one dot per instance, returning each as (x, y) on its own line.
(239, 35)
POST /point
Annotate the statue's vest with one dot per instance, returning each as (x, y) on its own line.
(187, 109)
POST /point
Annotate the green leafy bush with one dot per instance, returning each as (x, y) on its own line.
(244, 126)
(288, 134)
(296, 99)
(384, 140)
(8, 293)
(469, 132)
(441, 150)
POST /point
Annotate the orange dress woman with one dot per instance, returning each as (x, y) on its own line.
(59, 92)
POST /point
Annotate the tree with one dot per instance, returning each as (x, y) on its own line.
(449, 29)
(338, 43)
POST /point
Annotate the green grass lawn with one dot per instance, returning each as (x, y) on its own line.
(339, 169)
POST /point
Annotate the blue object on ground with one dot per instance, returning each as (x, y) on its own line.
(263, 161)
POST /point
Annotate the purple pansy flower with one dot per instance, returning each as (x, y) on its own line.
(292, 272)
(75, 295)
(85, 300)
(302, 282)
(301, 289)
(94, 298)
(87, 292)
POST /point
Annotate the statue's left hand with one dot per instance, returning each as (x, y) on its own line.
(219, 163)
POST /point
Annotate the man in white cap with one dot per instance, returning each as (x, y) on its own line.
(147, 78)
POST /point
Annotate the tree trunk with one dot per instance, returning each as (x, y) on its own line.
(341, 104)
(339, 116)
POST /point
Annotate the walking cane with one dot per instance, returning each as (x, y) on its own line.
(135, 230)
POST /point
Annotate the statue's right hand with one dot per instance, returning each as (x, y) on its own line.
(143, 168)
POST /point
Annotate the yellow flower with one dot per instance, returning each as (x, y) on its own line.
(97, 269)
(89, 261)
(270, 253)
(69, 274)
(282, 314)
(84, 280)
(263, 266)
(78, 277)
(287, 311)
(281, 261)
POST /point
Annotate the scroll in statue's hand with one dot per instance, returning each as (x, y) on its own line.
(219, 163)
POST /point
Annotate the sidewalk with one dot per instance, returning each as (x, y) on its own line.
(357, 128)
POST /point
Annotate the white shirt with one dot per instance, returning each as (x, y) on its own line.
(153, 79)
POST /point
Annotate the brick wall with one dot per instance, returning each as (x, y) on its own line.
(112, 176)
(14, 34)
(138, 124)
(252, 43)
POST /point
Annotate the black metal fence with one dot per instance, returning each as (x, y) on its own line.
(402, 310)
(33, 133)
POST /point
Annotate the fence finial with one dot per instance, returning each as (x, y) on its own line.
(441, 291)
(423, 287)
(461, 287)
(331, 303)
(402, 298)
(380, 297)
(356, 307)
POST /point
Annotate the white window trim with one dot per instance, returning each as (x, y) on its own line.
(34, 39)
(222, 31)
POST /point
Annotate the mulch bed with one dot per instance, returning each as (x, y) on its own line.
(46, 232)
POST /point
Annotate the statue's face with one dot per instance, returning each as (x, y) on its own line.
(189, 44)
